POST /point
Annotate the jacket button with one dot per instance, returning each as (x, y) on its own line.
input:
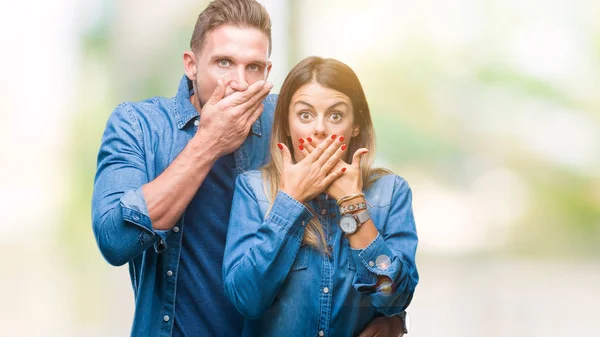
(166, 318)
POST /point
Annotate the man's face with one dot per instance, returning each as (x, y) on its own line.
(238, 56)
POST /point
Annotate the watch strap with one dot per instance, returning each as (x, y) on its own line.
(363, 217)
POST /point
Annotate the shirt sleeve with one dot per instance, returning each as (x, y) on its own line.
(260, 250)
(120, 218)
(385, 269)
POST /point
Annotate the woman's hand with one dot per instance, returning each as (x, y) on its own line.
(314, 173)
(349, 183)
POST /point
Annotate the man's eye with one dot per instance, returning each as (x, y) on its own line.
(224, 63)
(253, 67)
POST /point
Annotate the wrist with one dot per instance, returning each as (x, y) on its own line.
(200, 152)
(204, 147)
(353, 207)
(292, 195)
(351, 198)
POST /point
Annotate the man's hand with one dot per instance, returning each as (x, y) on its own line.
(226, 121)
(384, 327)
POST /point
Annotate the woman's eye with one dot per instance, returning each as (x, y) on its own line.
(305, 116)
(336, 117)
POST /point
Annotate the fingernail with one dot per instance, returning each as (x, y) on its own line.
(344, 169)
(333, 136)
(342, 138)
(280, 146)
(365, 151)
(301, 147)
(309, 139)
(301, 140)
(344, 147)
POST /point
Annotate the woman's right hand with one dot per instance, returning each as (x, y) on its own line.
(311, 175)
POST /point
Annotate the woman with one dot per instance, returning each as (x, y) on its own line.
(319, 243)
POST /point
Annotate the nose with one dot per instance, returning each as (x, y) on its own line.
(320, 130)
(238, 80)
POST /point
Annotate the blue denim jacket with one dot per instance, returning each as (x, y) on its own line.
(140, 140)
(285, 288)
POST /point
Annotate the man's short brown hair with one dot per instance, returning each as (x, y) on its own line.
(242, 13)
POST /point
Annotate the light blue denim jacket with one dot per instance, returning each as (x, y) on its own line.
(285, 288)
(140, 141)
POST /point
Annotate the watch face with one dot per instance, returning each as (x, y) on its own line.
(348, 224)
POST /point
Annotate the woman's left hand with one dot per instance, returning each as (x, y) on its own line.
(351, 181)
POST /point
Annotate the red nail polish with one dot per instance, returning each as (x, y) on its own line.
(301, 140)
(280, 146)
(344, 169)
(301, 147)
(309, 139)
(342, 138)
(364, 152)
(344, 147)
(333, 136)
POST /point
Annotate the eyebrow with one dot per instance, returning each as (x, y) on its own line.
(224, 57)
(330, 107)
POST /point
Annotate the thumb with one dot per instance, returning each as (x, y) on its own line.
(218, 94)
(285, 154)
(356, 158)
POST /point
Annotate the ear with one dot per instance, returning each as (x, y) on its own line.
(189, 65)
(355, 131)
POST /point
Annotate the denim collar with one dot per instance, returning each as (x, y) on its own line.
(185, 111)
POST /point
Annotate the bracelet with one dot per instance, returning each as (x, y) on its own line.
(349, 197)
(353, 207)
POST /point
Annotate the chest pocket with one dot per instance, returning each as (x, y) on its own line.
(301, 261)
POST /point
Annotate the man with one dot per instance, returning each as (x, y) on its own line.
(166, 169)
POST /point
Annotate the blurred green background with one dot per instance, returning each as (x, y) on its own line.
(490, 109)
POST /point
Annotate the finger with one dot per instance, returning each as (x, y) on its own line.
(302, 147)
(308, 144)
(332, 146)
(333, 176)
(217, 94)
(258, 96)
(242, 97)
(285, 154)
(255, 115)
(357, 157)
(335, 158)
(252, 115)
(321, 147)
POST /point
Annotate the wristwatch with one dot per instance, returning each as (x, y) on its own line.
(349, 222)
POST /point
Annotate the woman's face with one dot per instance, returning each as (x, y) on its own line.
(318, 112)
